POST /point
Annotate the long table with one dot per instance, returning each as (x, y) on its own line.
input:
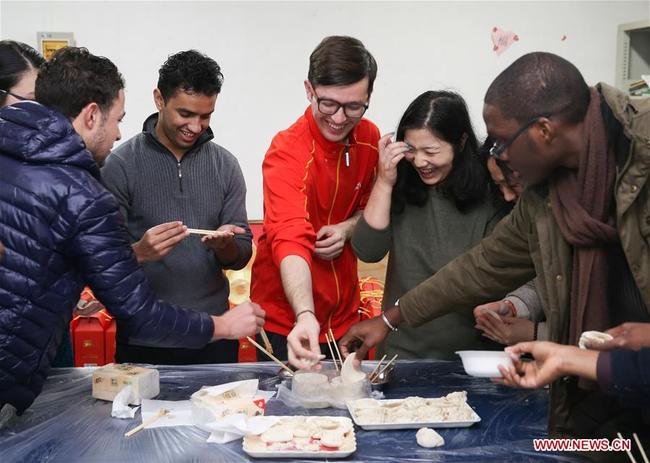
(66, 424)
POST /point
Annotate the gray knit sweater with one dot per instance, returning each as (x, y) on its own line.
(422, 240)
(209, 192)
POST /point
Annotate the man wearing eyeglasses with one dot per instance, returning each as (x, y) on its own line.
(582, 226)
(317, 178)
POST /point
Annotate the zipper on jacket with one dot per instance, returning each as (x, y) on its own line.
(329, 221)
(180, 175)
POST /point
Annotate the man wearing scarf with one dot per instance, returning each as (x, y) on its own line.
(582, 227)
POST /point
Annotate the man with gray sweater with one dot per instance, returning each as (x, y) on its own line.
(171, 177)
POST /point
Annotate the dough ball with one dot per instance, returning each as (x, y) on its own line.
(428, 438)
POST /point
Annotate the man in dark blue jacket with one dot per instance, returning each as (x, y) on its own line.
(62, 230)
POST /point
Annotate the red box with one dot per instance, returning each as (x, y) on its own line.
(88, 342)
(88, 338)
(109, 342)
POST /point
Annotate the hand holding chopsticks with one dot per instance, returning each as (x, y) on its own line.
(270, 355)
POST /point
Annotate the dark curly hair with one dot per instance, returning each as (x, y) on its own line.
(74, 78)
(190, 71)
(15, 59)
(445, 115)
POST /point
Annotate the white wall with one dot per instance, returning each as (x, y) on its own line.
(263, 49)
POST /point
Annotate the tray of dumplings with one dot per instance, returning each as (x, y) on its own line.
(450, 411)
(304, 437)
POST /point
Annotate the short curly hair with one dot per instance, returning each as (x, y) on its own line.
(74, 78)
(540, 83)
(190, 71)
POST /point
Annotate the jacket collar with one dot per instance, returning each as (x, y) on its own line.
(329, 147)
(624, 108)
(35, 134)
(149, 129)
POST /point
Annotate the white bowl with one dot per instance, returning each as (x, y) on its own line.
(484, 363)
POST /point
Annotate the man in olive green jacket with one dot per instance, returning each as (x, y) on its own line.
(529, 242)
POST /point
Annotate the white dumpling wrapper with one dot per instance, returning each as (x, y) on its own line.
(589, 339)
(428, 438)
(350, 373)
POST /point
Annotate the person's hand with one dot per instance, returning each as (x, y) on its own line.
(2, 251)
(503, 329)
(158, 241)
(506, 180)
(499, 307)
(390, 154)
(246, 319)
(362, 337)
(331, 239)
(302, 342)
(634, 336)
(223, 237)
(551, 361)
(544, 369)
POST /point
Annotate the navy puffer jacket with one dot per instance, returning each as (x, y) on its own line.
(62, 230)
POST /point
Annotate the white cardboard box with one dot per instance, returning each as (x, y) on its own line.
(112, 378)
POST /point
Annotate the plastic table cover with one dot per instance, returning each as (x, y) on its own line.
(65, 424)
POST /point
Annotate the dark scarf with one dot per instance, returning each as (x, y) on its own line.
(581, 201)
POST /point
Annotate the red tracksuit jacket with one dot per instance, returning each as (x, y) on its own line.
(307, 185)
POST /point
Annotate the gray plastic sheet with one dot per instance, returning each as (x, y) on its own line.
(66, 424)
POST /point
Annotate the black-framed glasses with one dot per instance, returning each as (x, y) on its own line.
(497, 149)
(330, 107)
(18, 97)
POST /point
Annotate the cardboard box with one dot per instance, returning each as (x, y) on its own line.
(111, 379)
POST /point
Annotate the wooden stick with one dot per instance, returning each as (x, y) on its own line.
(376, 368)
(201, 231)
(270, 355)
(641, 449)
(386, 366)
(629, 454)
(266, 341)
(336, 347)
(327, 337)
(144, 424)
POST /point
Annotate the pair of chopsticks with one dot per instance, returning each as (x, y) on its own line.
(376, 373)
(638, 443)
(329, 336)
(161, 413)
(269, 354)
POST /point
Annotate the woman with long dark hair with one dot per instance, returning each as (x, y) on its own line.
(432, 201)
(19, 65)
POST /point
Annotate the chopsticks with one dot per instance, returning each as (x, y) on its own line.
(390, 362)
(201, 231)
(270, 355)
(265, 340)
(638, 443)
(641, 449)
(329, 336)
(162, 412)
(376, 368)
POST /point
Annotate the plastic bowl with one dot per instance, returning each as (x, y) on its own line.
(484, 363)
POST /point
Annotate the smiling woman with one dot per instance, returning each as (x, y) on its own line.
(432, 201)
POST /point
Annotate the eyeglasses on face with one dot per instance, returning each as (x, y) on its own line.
(498, 148)
(18, 97)
(330, 107)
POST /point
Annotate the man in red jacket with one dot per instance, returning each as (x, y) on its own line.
(318, 174)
